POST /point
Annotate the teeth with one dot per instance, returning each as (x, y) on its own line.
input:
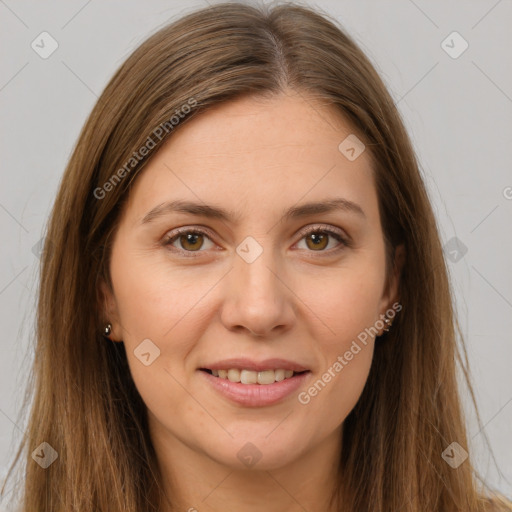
(266, 377)
(234, 375)
(252, 377)
(279, 375)
(248, 377)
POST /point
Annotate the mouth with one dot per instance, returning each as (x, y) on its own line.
(251, 388)
(244, 376)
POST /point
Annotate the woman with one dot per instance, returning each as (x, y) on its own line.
(244, 303)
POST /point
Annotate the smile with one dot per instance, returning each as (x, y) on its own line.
(264, 377)
(251, 388)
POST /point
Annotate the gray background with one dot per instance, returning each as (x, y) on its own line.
(457, 110)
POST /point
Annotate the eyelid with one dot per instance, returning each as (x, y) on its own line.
(343, 239)
(327, 228)
(168, 239)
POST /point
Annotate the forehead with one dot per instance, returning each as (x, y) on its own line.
(252, 153)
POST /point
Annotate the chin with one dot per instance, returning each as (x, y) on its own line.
(257, 452)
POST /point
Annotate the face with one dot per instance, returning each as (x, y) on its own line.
(251, 281)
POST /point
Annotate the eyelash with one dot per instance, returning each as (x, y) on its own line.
(169, 240)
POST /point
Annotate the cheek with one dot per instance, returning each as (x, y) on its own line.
(348, 307)
(159, 313)
(346, 301)
(333, 393)
(155, 300)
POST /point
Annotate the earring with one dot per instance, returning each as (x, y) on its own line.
(107, 330)
(389, 323)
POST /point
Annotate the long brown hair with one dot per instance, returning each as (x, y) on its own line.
(85, 404)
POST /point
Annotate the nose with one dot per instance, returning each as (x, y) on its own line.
(257, 298)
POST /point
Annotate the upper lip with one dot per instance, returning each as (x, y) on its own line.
(257, 366)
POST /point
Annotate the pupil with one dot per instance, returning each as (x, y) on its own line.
(191, 238)
(318, 239)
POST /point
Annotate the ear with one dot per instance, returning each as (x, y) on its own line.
(398, 263)
(109, 311)
(391, 293)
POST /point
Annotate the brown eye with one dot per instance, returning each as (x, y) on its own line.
(189, 240)
(318, 241)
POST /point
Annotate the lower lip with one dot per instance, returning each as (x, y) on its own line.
(256, 395)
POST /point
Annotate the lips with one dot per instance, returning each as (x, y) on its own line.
(256, 366)
(255, 383)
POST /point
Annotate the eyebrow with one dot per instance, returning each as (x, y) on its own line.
(216, 212)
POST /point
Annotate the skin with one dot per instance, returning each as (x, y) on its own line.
(295, 301)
